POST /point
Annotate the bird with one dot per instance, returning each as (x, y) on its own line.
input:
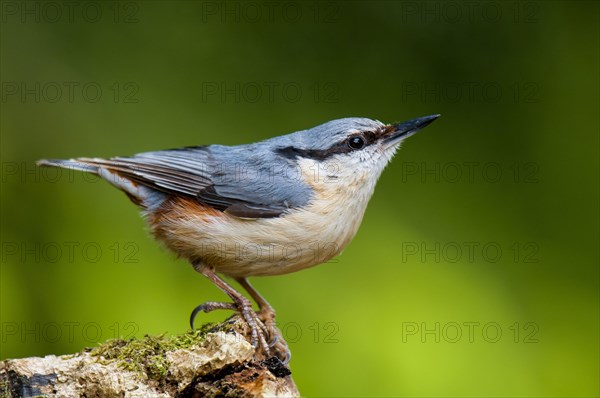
(261, 209)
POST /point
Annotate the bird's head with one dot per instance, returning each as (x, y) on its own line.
(350, 149)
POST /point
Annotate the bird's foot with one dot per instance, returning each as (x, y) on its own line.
(278, 345)
(276, 341)
(259, 334)
(264, 335)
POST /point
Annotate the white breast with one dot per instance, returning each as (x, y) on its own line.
(301, 238)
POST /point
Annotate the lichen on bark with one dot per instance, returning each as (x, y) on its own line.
(216, 360)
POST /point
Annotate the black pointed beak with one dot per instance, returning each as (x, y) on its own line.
(405, 129)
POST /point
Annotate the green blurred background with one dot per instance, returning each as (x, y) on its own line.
(475, 271)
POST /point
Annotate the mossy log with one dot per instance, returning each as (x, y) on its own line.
(216, 360)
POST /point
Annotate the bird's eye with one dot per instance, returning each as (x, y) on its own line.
(356, 142)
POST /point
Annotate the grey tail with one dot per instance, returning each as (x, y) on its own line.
(69, 164)
(141, 195)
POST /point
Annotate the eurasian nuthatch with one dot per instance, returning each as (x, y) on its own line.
(268, 208)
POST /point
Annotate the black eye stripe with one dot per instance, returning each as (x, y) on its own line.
(369, 136)
(341, 147)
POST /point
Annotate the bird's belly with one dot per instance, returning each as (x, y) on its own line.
(250, 247)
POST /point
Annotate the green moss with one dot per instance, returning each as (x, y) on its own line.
(4, 393)
(148, 355)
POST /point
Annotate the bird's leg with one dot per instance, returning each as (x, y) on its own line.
(266, 313)
(240, 304)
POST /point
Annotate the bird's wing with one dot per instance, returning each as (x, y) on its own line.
(242, 186)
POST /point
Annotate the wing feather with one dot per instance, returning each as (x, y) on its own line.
(199, 172)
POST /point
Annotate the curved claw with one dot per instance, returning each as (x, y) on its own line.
(274, 341)
(279, 346)
(208, 307)
(194, 314)
(288, 357)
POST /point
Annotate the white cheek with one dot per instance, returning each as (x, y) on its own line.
(347, 178)
(365, 164)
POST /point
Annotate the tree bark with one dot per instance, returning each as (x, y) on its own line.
(214, 361)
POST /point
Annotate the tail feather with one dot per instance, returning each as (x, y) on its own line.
(73, 164)
(141, 195)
